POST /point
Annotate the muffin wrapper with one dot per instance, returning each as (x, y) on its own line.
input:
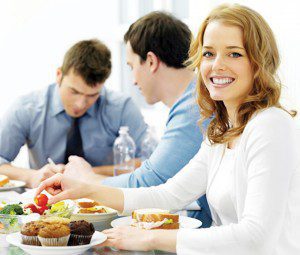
(61, 241)
(31, 240)
(79, 240)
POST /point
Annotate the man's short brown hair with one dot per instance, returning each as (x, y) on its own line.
(163, 34)
(90, 59)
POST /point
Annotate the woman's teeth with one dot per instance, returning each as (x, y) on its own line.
(222, 81)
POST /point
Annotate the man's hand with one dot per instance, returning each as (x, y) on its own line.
(44, 173)
(80, 168)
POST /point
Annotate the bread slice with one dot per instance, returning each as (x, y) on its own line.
(3, 180)
(155, 216)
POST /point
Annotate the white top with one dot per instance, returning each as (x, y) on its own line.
(266, 188)
(221, 195)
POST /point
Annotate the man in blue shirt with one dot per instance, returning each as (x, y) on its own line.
(157, 46)
(76, 116)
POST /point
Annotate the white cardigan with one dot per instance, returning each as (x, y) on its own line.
(266, 190)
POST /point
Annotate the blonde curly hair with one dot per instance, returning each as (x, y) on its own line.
(261, 48)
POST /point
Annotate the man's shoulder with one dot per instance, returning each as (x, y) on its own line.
(115, 98)
(36, 99)
(186, 106)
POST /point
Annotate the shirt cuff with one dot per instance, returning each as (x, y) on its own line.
(3, 161)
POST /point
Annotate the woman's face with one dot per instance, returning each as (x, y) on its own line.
(225, 67)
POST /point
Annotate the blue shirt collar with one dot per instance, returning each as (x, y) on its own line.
(57, 106)
(56, 103)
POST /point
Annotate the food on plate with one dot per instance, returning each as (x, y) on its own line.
(30, 208)
(12, 209)
(90, 206)
(41, 200)
(57, 231)
(54, 219)
(86, 203)
(95, 209)
(29, 233)
(3, 180)
(81, 232)
(154, 219)
(61, 209)
(56, 234)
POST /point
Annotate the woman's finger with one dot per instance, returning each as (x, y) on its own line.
(54, 180)
(59, 197)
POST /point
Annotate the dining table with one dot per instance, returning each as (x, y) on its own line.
(13, 250)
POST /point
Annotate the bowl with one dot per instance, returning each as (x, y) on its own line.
(13, 223)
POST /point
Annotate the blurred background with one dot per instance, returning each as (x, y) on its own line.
(35, 34)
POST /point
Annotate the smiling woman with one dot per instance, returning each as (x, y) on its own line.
(252, 183)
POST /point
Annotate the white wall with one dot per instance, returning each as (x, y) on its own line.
(35, 34)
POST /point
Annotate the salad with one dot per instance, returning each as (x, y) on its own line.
(12, 216)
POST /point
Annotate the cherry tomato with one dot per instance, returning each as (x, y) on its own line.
(32, 207)
(42, 209)
(41, 200)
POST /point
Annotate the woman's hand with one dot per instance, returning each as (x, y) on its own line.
(63, 187)
(129, 238)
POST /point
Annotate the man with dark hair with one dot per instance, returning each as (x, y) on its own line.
(157, 47)
(75, 116)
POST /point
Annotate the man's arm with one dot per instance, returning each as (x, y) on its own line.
(17, 173)
(31, 177)
(108, 170)
(179, 144)
(14, 131)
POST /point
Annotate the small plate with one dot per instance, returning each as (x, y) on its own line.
(13, 184)
(15, 239)
(185, 222)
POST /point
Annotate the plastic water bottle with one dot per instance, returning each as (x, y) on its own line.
(149, 143)
(124, 152)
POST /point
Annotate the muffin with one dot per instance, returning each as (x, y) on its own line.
(55, 220)
(29, 233)
(54, 234)
(81, 232)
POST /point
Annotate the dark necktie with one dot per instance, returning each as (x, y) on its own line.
(74, 142)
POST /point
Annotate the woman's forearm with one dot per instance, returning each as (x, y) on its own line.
(164, 240)
(109, 196)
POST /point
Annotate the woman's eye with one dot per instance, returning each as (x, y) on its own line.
(235, 55)
(207, 54)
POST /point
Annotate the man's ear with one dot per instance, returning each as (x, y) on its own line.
(153, 61)
(59, 76)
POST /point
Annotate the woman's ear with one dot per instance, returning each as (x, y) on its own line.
(152, 61)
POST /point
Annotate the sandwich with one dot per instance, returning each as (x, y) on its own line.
(154, 219)
(3, 180)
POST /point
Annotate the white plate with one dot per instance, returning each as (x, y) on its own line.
(13, 184)
(95, 217)
(15, 239)
(185, 222)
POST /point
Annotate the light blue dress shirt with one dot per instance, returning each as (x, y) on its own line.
(39, 120)
(180, 142)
